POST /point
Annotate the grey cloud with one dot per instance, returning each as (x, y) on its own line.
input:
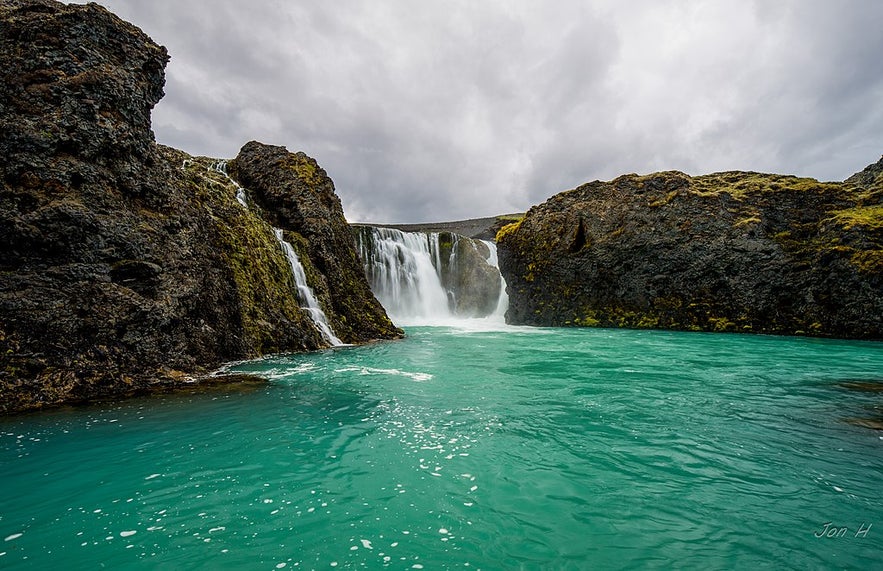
(456, 109)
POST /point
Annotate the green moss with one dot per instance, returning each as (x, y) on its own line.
(305, 168)
(647, 322)
(507, 230)
(722, 324)
(746, 221)
(870, 217)
(741, 184)
(529, 276)
(869, 261)
(662, 201)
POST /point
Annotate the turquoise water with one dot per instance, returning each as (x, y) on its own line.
(457, 449)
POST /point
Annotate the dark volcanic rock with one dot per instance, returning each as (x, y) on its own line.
(473, 284)
(124, 265)
(298, 196)
(731, 251)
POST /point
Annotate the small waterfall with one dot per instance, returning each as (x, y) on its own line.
(503, 301)
(305, 293)
(221, 167)
(431, 277)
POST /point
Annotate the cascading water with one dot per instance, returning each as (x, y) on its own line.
(401, 268)
(424, 278)
(503, 301)
(305, 293)
(221, 167)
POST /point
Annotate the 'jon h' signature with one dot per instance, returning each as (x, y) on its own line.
(829, 530)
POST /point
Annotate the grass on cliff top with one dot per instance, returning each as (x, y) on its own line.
(740, 184)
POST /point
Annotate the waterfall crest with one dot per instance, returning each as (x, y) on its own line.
(432, 277)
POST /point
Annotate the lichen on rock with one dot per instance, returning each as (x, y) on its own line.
(731, 251)
(125, 265)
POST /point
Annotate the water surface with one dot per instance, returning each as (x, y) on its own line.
(470, 449)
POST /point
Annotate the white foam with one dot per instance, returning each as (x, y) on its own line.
(13, 536)
(416, 376)
(128, 533)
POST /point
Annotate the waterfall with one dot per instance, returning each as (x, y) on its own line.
(430, 277)
(401, 268)
(503, 300)
(305, 293)
(221, 167)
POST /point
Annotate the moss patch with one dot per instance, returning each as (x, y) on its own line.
(507, 230)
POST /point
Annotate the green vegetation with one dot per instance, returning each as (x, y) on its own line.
(739, 185)
(507, 230)
(869, 217)
(251, 253)
(305, 168)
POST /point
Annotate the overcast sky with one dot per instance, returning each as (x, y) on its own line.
(429, 111)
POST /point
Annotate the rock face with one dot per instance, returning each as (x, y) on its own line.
(473, 284)
(732, 251)
(126, 265)
(296, 194)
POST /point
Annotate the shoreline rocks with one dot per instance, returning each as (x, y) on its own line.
(731, 251)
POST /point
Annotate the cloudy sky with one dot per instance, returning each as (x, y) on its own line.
(427, 111)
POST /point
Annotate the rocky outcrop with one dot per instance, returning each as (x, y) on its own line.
(296, 194)
(477, 228)
(473, 284)
(126, 265)
(732, 251)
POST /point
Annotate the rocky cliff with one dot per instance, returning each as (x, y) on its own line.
(731, 251)
(126, 265)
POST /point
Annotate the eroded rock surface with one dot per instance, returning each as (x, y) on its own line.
(126, 265)
(731, 251)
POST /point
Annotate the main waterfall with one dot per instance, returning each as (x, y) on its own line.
(431, 277)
